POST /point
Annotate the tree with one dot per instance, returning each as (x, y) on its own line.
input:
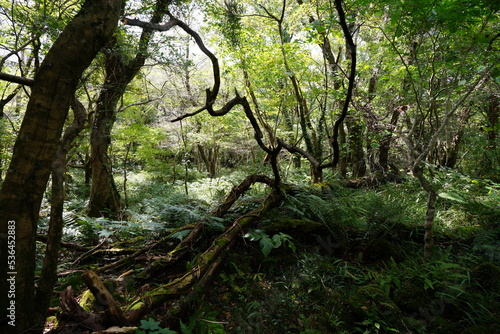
(35, 148)
(120, 71)
(439, 52)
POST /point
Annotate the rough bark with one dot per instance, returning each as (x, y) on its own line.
(36, 146)
(48, 276)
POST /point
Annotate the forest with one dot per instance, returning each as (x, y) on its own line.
(236, 166)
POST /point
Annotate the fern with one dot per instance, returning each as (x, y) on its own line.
(336, 213)
(381, 217)
(487, 243)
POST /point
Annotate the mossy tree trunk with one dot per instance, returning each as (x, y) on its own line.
(48, 276)
(35, 149)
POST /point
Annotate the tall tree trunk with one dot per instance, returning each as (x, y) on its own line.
(491, 158)
(104, 197)
(48, 276)
(385, 142)
(34, 152)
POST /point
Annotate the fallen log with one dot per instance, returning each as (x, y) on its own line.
(104, 298)
(74, 319)
(202, 269)
(234, 194)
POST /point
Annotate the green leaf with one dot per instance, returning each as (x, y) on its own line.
(453, 197)
(266, 245)
(277, 240)
(185, 329)
(181, 234)
(150, 324)
(256, 235)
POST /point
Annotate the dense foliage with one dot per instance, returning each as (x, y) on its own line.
(371, 131)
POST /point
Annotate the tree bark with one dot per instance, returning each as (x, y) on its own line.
(48, 276)
(385, 142)
(490, 157)
(34, 152)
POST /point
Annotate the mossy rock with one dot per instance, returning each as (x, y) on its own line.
(440, 325)
(371, 301)
(410, 297)
(487, 276)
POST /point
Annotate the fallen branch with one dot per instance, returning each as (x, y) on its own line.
(204, 267)
(104, 298)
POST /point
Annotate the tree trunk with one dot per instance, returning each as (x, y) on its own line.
(431, 211)
(385, 142)
(452, 145)
(358, 163)
(490, 156)
(104, 197)
(48, 276)
(210, 156)
(34, 152)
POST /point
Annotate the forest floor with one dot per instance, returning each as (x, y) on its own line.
(327, 259)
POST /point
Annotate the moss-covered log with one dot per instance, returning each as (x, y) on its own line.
(204, 266)
(188, 242)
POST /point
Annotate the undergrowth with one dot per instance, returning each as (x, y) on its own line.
(377, 283)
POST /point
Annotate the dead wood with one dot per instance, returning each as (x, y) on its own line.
(104, 298)
(203, 268)
(68, 245)
(236, 192)
(74, 318)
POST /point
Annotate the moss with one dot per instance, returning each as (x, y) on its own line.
(87, 300)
